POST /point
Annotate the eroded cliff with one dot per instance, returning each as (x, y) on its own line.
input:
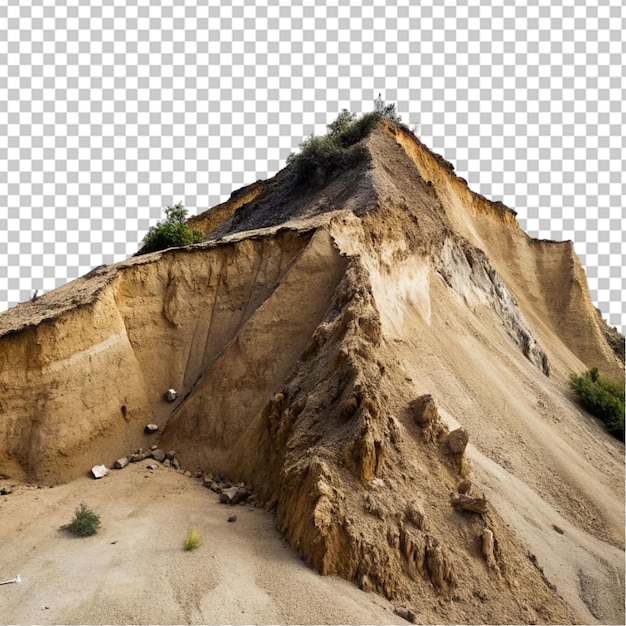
(302, 335)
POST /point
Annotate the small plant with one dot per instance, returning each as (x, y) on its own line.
(601, 398)
(172, 233)
(85, 522)
(387, 110)
(192, 539)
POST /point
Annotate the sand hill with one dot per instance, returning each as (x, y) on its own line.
(333, 345)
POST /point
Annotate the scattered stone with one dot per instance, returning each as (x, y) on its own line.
(232, 518)
(187, 473)
(467, 503)
(158, 455)
(151, 428)
(5, 491)
(154, 447)
(175, 463)
(152, 466)
(227, 494)
(404, 613)
(170, 395)
(234, 495)
(458, 440)
(424, 410)
(121, 463)
(558, 529)
(171, 454)
(214, 486)
(167, 463)
(136, 457)
(99, 471)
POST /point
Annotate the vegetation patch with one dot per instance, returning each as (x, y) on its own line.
(172, 233)
(85, 522)
(192, 539)
(323, 156)
(601, 398)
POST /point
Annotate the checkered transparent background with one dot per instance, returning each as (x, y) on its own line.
(110, 112)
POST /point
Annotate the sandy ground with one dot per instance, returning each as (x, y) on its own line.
(135, 571)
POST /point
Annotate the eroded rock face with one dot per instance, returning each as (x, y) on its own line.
(467, 270)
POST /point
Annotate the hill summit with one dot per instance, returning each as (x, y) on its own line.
(381, 355)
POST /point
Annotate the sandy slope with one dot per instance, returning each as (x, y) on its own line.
(134, 570)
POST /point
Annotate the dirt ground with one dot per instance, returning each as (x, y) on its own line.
(135, 571)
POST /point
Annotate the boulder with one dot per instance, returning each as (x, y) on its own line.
(99, 471)
(121, 463)
(458, 440)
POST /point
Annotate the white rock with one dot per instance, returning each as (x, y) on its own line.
(99, 471)
(170, 395)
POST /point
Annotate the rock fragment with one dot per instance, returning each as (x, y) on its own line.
(99, 471)
(487, 547)
(158, 455)
(407, 614)
(457, 441)
(234, 495)
(170, 395)
(468, 503)
(424, 409)
(151, 428)
(232, 518)
(121, 463)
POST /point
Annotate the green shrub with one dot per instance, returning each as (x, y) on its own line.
(85, 522)
(321, 157)
(172, 233)
(192, 539)
(601, 398)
